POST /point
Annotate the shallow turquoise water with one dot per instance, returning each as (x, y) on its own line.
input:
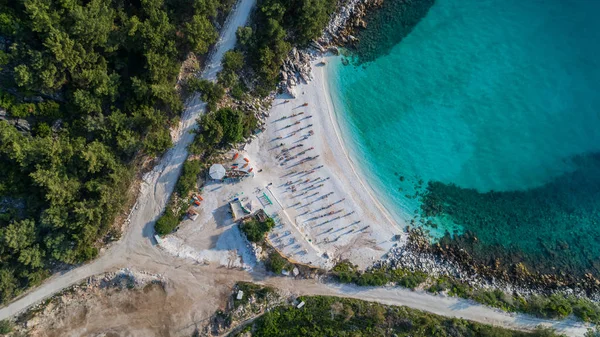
(494, 95)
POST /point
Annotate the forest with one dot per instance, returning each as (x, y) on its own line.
(92, 86)
(277, 26)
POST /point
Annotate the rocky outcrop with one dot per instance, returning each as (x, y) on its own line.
(349, 17)
(418, 254)
(20, 124)
(296, 69)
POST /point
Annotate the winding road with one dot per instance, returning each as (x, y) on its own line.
(137, 247)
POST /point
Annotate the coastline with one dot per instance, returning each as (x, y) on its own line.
(337, 160)
(357, 169)
(414, 251)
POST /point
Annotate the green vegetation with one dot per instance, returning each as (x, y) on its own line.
(252, 291)
(189, 176)
(95, 80)
(330, 316)
(6, 327)
(179, 202)
(553, 306)
(255, 230)
(277, 25)
(172, 216)
(219, 129)
(277, 263)
(211, 93)
(233, 62)
(345, 272)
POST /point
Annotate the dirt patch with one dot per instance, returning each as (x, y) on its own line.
(133, 303)
(111, 305)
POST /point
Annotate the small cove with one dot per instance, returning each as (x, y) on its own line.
(489, 110)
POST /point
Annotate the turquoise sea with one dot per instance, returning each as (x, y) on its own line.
(483, 117)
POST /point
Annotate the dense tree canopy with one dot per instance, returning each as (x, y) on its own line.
(95, 81)
(277, 25)
(221, 128)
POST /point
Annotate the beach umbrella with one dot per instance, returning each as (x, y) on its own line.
(217, 171)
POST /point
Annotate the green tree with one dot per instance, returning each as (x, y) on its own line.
(23, 76)
(244, 35)
(158, 141)
(200, 33)
(8, 284)
(188, 177)
(211, 92)
(6, 327)
(93, 23)
(312, 17)
(103, 75)
(166, 223)
(211, 132)
(233, 61)
(19, 235)
(232, 122)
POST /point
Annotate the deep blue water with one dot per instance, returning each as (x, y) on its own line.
(495, 104)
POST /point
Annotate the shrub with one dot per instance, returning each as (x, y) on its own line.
(188, 177)
(372, 278)
(166, 223)
(6, 327)
(43, 130)
(211, 92)
(440, 284)
(459, 289)
(255, 230)
(558, 307)
(412, 280)
(276, 263)
(586, 310)
(595, 332)
(345, 272)
(406, 278)
(238, 91)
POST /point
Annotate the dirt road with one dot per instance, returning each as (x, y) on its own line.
(203, 286)
(137, 247)
(441, 305)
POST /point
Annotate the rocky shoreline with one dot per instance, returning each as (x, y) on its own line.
(418, 254)
(348, 18)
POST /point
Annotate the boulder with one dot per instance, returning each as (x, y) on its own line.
(22, 125)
